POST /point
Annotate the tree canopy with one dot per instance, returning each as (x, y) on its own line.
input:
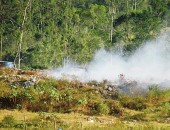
(50, 31)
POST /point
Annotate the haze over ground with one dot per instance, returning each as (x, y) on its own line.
(149, 64)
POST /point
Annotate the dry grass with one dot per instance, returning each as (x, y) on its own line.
(72, 121)
(18, 115)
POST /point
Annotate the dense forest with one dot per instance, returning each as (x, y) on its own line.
(42, 33)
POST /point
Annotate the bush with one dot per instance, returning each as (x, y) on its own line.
(156, 95)
(4, 89)
(102, 108)
(136, 103)
(165, 109)
(8, 121)
(115, 108)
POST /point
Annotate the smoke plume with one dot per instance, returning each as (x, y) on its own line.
(150, 64)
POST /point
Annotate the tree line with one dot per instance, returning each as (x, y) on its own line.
(43, 33)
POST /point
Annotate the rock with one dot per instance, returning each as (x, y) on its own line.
(109, 89)
(90, 119)
(28, 84)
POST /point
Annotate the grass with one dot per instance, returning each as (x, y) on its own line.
(72, 121)
(19, 115)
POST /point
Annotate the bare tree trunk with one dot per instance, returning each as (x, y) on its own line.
(112, 18)
(127, 25)
(135, 5)
(111, 30)
(22, 33)
(1, 47)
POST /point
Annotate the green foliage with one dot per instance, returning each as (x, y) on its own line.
(50, 95)
(165, 110)
(155, 94)
(57, 30)
(63, 96)
(115, 108)
(137, 103)
(8, 121)
(102, 108)
(82, 101)
(4, 89)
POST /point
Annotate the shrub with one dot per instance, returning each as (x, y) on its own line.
(8, 121)
(102, 108)
(61, 84)
(115, 107)
(4, 89)
(165, 109)
(137, 103)
(155, 94)
(82, 101)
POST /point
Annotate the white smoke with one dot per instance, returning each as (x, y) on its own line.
(149, 64)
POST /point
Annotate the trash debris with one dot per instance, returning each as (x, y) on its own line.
(6, 64)
(90, 119)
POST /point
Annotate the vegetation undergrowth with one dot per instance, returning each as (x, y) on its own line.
(50, 98)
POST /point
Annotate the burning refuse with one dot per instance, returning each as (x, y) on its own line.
(150, 64)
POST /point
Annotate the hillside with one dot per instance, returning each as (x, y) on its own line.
(49, 32)
(85, 64)
(39, 103)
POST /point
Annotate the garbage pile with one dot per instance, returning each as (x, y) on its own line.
(23, 78)
(123, 86)
(108, 89)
